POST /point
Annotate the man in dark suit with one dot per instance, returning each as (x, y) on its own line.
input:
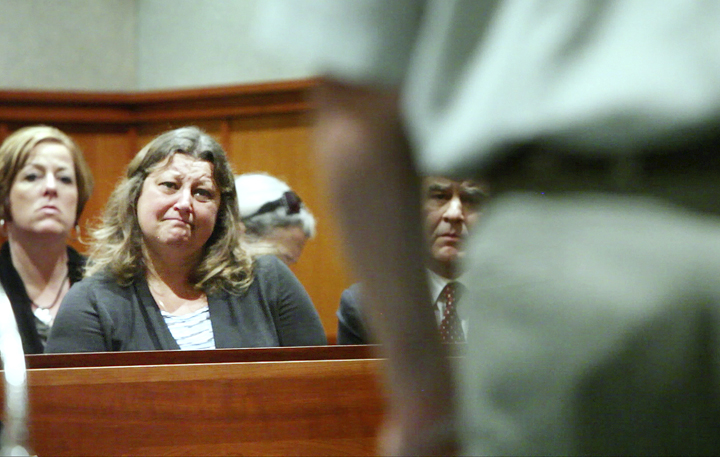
(450, 209)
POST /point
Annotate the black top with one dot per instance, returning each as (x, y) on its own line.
(21, 303)
(99, 315)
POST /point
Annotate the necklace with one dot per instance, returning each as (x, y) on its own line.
(57, 295)
(43, 314)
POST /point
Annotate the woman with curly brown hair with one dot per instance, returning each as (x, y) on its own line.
(166, 269)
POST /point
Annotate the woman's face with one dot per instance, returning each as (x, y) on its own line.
(178, 205)
(44, 196)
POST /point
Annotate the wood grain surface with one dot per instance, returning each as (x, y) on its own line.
(295, 407)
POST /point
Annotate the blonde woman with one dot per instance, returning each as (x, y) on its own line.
(44, 185)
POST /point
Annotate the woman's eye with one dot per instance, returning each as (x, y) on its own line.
(31, 177)
(66, 180)
(168, 184)
(203, 194)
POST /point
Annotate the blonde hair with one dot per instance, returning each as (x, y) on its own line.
(16, 150)
(118, 244)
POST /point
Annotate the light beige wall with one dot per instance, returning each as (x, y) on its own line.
(190, 43)
(128, 45)
(68, 44)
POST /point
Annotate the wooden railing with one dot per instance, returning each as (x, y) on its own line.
(284, 401)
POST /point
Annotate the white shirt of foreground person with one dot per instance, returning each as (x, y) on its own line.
(595, 314)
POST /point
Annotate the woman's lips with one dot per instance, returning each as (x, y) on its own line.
(50, 209)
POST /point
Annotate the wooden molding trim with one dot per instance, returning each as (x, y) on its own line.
(129, 358)
(132, 108)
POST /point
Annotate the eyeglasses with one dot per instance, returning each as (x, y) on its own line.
(290, 200)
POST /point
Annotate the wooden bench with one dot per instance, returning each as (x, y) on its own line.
(279, 401)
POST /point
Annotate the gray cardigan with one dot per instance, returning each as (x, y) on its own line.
(99, 315)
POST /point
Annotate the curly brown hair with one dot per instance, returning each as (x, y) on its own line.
(117, 245)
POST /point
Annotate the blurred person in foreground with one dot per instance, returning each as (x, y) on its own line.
(166, 269)
(450, 209)
(596, 304)
(44, 185)
(275, 218)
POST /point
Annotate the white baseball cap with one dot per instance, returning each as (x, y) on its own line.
(256, 189)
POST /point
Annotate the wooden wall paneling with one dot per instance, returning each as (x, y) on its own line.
(132, 142)
(281, 145)
(224, 138)
(267, 143)
(147, 131)
(108, 156)
(221, 102)
(56, 108)
(4, 131)
(123, 108)
(323, 268)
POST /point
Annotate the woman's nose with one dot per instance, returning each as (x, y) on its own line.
(184, 200)
(50, 183)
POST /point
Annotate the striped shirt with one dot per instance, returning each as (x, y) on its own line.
(191, 331)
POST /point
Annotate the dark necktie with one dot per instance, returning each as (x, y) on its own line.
(450, 327)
